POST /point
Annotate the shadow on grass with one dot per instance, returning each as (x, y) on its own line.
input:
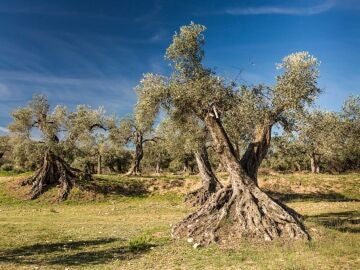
(316, 196)
(130, 186)
(348, 221)
(126, 187)
(73, 253)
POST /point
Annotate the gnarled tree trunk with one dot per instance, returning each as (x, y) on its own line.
(256, 151)
(239, 210)
(157, 167)
(54, 171)
(139, 154)
(314, 163)
(210, 183)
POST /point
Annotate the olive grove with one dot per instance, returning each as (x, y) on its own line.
(193, 121)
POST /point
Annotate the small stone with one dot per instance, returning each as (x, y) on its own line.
(196, 245)
(190, 240)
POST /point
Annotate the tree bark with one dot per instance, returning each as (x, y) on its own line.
(54, 171)
(210, 183)
(314, 163)
(157, 167)
(256, 151)
(139, 154)
(237, 150)
(220, 167)
(239, 210)
(297, 166)
(99, 164)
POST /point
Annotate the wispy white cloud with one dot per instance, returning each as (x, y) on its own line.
(282, 10)
(3, 130)
(96, 91)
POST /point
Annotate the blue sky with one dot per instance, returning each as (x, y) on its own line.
(94, 52)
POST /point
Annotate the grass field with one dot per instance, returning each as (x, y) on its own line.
(124, 223)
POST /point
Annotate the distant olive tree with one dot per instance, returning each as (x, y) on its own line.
(129, 132)
(331, 138)
(60, 133)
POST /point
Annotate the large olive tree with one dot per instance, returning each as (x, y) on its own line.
(240, 209)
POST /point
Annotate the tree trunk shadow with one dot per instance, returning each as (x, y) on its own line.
(86, 252)
(315, 196)
(348, 221)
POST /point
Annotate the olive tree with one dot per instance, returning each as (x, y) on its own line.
(242, 208)
(60, 132)
(129, 132)
(319, 133)
(350, 133)
(286, 153)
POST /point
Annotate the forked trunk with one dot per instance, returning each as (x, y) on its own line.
(256, 151)
(239, 210)
(54, 171)
(314, 163)
(210, 184)
(139, 153)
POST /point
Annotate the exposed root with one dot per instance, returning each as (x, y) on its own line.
(197, 197)
(54, 171)
(231, 215)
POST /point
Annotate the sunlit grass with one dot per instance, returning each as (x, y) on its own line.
(132, 231)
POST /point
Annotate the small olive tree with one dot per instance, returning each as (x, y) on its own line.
(60, 132)
(129, 132)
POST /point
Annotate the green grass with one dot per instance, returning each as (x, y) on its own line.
(120, 229)
(12, 173)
